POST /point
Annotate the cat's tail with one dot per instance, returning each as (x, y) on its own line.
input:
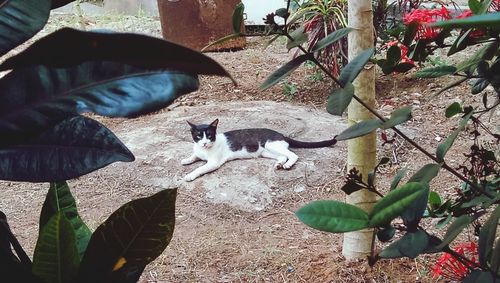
(300, 144)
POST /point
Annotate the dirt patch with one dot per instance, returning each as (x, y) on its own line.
(248, 232)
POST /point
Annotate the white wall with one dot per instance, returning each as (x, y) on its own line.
(256, 10)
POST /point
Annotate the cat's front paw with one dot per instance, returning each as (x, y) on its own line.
(186, 161)
(190, 177)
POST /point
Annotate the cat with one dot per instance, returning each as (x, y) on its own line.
(217, 149)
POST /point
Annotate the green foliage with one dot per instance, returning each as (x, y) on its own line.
(45, 139)
(331, 38)
(443, 147)
(355, 66)
(284, 71)
(238, 17)
(333, 216)
(398, 117)
(359, 129)
(340, 99)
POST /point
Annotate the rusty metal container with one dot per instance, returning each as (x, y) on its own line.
(197, 23)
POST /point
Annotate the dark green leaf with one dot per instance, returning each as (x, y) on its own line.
(282, 12)
(403, 67)
(410, 245)
(59, 3)
(386, 233)
(475, 6)
(299, 36)
(333, 216)
(355, 66)
(487, 237)
(284, 71)
(414, 212)
(127, 48)
(485, 5)
(395, 182)
(484, 53)
(351, 186)
(130, 238)
(395, 203)
(455, 229)
(73, 148)
(478, 276)
(479, 85)
(436, 72)
(443, 221)
(331, 38)
(410, 32)
(238, 17)
(360, 129)
(56, 256)
(419, 52)
(398, 116)
(35, 99)
(59, 199)
(460, 43)
(393, 55)
(443, 147)
(221, 40)
(21, 20)
(340, 99)
(434, 199)
(426, 173)
(8, 239)
(490, 20)
(454, 109)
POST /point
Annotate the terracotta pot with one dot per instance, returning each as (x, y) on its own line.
(197, 23)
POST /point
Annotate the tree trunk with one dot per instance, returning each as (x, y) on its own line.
(361, 152)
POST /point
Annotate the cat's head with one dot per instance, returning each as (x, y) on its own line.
(204, 135)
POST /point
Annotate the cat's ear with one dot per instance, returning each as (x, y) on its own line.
(214, 123)
(191, 125)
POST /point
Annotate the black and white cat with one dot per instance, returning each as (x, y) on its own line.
(217, 149)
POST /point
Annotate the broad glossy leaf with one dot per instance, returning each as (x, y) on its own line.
(475, 6)
(484, 53)
(485, 5)
(59, 3)
(479, 85)
(238, 17)
(282, 12)
(333, 216)
(8, 239)
(455, 229)
(426, 173)
(414, 212)
(355, 66)
(35, 99)
(478, 276)
(487, 237)
(331, 38)
(340, 99)
(299, 36)
(21, 20)
(398, 116)
(434, 199)
(395, 203)
(436, 72)
(385, 234)
(400, 175)
(462, 41)
(132, 237)
(410, 245)
(59, 199)
(443, 147)
(393, 55)
(284, 71)
(134, 49)
(491, 20)
(74, 147)
(360, 129)
(454, 109)
(56, 257)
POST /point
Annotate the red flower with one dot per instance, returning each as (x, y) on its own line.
(404, 51)
(449, 267)
(495, 6)
(423, 17)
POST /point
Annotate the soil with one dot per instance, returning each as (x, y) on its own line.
(220, 242)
